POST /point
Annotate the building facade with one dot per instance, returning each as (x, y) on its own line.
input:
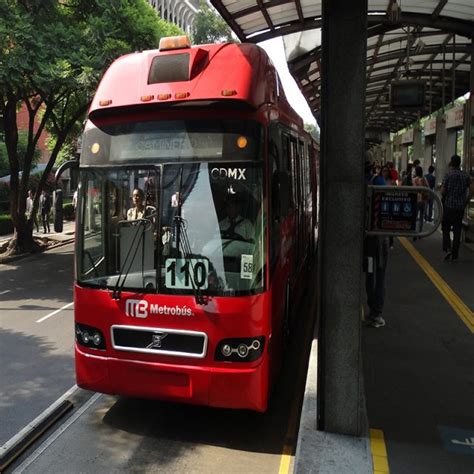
(179, 12)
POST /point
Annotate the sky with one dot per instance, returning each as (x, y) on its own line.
(275, 50)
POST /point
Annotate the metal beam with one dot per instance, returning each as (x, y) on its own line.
(410, 42)
(438, 8)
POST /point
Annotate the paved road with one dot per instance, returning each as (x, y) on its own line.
(418, 369)
(113, 434)
(36, 358)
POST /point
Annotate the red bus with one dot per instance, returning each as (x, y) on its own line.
(195, 225)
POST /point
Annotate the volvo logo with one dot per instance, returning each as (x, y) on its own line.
(156, 341)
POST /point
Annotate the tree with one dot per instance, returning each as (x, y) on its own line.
(209, 27)
(53, 53)
(312, 130)
(22, 145)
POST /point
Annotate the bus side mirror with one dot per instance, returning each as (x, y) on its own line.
(71, 164)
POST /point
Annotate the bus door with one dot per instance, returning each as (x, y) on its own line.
(303, 197)
(295, 170)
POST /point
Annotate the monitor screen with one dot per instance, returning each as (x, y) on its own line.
(408, 94)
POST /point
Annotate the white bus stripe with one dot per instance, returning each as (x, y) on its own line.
(54, 312)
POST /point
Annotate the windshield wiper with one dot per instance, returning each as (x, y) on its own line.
(141, 224)
(187, 254)
(182, 240)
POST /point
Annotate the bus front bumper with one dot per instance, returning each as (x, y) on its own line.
(225, 387)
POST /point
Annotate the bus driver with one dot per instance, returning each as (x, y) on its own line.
(139, 211)
(234, 226)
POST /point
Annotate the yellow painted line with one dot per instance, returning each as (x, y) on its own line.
(379, 452)
(285, 460)
(461, 309)
(290, 437)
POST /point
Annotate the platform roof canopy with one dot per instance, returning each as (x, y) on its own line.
(406, 39)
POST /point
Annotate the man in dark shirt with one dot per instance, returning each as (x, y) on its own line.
(375, 263)
(431, 180)
(456, 194)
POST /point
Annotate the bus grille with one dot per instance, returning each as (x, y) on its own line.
(170, 342)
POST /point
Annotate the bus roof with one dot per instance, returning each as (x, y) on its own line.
(192, 76)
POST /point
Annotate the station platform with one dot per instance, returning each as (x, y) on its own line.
(418, 374)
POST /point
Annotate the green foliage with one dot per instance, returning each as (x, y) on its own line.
(6, 224)
(4, 197)
(52, 56)
(33, 182)
(312, 130)
(209, 27)
(4, 164)
(68, 212)
(22, 144)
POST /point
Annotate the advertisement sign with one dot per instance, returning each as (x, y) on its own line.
(430, 126)
(455, 117)
(407, 137)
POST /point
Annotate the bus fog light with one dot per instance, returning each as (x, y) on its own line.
(226, 350)
(89, 336)
(242, 350)
(96, 339)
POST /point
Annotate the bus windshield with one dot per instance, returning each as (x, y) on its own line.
(180, 228)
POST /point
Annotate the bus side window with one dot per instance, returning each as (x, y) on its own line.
(286, 197)
(275, 211)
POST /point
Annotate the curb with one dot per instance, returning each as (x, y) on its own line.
(14, 258)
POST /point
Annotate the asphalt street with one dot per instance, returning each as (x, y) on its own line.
(36, 354)
(116, 434)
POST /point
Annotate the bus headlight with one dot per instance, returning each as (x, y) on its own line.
(89, 336)
(97, 339)
(226, 350)
(242, 349)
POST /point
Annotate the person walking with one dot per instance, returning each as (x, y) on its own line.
(45, 209)
(393, 173)
(389, 181)
(407, 175)
(29, 210)
(431, 180)
(456, 193)
(422, 198)
(375, 264)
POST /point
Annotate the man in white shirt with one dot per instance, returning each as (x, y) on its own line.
(29, 209)
(139, 211)
(234, 226)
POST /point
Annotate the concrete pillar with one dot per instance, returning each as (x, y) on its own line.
(417, 145)
(404, 157)
(450, 149)
(441, 159)
(469, 121)
(396, 153)
(388, 151)
(378, 153)
(427, 152)
(342, 214)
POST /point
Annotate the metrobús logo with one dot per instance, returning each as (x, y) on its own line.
(141, 309)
